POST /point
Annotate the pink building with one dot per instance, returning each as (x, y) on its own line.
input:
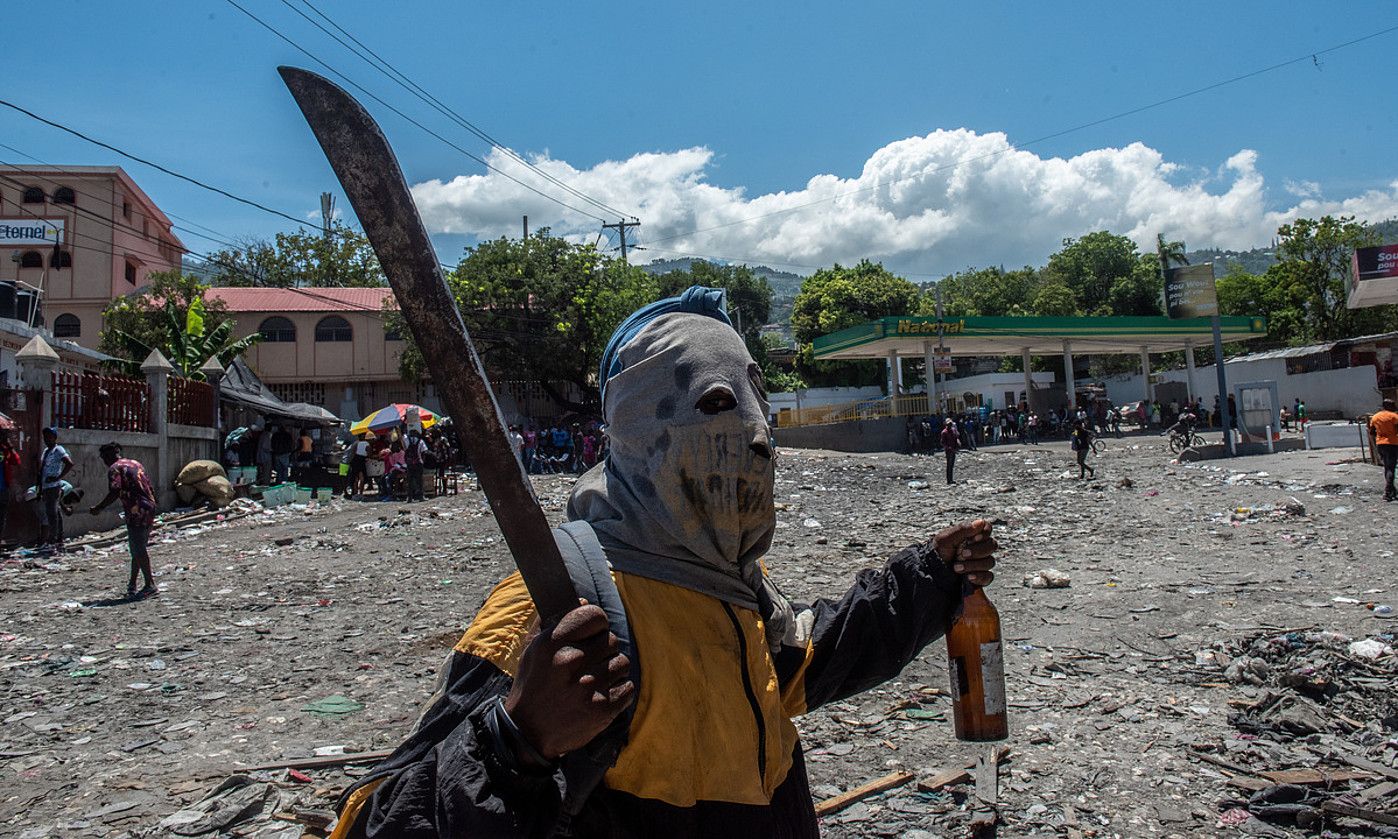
(111, 236)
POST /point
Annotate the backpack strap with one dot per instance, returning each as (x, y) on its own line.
(587, 564)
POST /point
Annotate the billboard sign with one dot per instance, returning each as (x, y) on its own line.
(942, 364)
(1374, 276)
(1190, 291)
(30, 231)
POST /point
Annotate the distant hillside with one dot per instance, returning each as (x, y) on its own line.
(1258, 260)
(784, 284)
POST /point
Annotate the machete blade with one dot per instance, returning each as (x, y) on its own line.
(369, 172)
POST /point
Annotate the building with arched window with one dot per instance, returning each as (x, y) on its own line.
(111, 236)
(325, 346)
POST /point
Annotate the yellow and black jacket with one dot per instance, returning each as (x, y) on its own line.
(711, 751)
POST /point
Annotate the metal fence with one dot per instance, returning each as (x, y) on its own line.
(102, 403)
(190, 403)
(863, 409)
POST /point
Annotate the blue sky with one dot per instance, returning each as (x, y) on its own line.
(698, 116)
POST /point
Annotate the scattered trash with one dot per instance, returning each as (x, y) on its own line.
(333, 706)
(1047, 578)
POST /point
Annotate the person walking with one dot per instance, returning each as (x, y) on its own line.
(1081, 441)
(54, 466)
(1383, 428)
(951, 441)
(127, 481)
(414, 454)
(9, 480)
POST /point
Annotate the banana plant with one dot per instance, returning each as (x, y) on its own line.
(187, 343)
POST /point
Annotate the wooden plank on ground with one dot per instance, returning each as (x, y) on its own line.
(874, 787)
(1350, 811)
(1378, 791)
(321, 762)
(1316, 776)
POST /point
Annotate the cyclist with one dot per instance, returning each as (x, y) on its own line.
(1184, 426)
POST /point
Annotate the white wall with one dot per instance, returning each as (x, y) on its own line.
(816, 397)
(1351, 390)
(992, 387)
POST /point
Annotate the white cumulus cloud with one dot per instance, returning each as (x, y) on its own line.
(922, 205)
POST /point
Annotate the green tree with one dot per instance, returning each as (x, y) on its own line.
(170, 315)
(1314, 261)
(749, 295)
(541, 309)
(300, 259)
(1053, 299)
(837, 298)
(1091, 267)
(983, 291)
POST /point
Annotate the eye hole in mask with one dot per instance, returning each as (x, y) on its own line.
(717, 400)
(758, 382)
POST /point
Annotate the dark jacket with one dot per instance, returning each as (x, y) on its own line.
(712, 750)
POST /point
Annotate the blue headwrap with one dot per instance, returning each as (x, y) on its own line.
(696, 300)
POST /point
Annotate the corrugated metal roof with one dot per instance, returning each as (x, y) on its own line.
(1289, 352)
(301, 299)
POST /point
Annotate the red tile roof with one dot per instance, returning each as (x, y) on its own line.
(301, 299)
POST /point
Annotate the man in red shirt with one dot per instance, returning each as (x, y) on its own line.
(1383, 426)
(951, 441)
(127, 480)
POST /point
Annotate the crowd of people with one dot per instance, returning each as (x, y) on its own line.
(395, 462)
(975, 426)
(558, 448)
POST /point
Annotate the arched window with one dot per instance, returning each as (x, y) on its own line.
(62, 259)
(67, 326)
(33, 195)
(278, 330)
(31, 259)
(334, 328)
(64, 195)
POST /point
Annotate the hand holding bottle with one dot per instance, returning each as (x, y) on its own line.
(968, 549)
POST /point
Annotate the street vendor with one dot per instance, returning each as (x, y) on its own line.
(723, 661)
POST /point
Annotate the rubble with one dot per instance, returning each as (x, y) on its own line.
(1191, 665)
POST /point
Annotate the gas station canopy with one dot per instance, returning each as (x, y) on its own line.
(910, 336)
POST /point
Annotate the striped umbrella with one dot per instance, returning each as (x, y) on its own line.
(391, 416)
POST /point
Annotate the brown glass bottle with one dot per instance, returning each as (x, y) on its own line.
(976, 662)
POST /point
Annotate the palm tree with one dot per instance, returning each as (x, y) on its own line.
(1169, 253)
(187, 345)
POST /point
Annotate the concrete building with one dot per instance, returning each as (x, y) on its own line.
(1341, 379)
(324, 346)
(110, 236)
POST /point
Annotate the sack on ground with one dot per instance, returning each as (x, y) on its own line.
(217, 489)
(197, 471)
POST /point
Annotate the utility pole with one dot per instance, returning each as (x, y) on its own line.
(526, 227)
(327, 216)
(620, 228)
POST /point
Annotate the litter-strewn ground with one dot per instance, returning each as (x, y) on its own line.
(1215, 628)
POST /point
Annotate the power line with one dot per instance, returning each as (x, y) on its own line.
(1042, 139)
(347, 80)
(402, 80)
(172, 173)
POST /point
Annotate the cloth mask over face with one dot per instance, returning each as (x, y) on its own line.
(685, 497)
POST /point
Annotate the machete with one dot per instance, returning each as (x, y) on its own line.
(369, 172)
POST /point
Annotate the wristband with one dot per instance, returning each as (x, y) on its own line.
(509, 745)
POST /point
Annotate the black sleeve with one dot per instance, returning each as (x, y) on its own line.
(880, 625)
(450, 778)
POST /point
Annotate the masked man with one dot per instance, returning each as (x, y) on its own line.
(720, 661)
